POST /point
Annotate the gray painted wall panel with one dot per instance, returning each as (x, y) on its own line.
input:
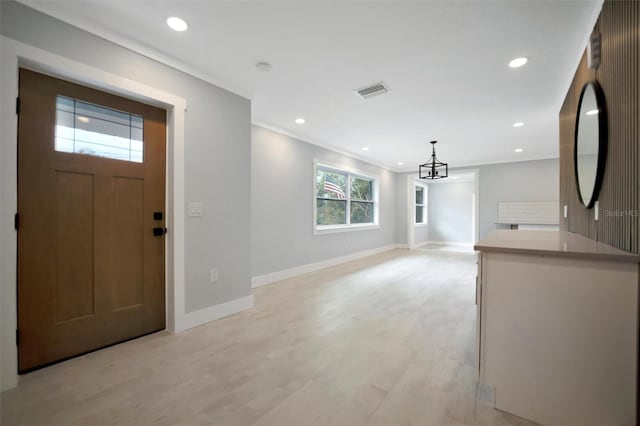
(217, 151)
(400, 188)
(421, 234)
(537, 180)
(282, 205)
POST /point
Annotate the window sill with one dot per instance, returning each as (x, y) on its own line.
(332, 229)
(420, 225)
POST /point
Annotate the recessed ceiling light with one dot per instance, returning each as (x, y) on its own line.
(263, 66)
(177, 24)
(83, 119)
(518, 62)
(518, 124)
(592, 112)
(365, 148)
(400, 163)
(300, 120)
(518, 150)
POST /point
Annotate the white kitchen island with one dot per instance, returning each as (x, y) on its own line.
(558, 327)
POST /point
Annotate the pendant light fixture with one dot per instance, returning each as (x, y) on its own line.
(433, 169)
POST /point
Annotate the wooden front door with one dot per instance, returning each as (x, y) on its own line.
(91, 197)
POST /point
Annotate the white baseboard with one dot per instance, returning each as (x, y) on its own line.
(196, 318)
(260, 280)
(450, 243)
(415, 246)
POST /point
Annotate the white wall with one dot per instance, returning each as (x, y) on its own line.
(450, 209)
(282, 205)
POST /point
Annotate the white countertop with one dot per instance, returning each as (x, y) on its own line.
(552, 243)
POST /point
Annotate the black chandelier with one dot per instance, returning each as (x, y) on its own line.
(433, 169)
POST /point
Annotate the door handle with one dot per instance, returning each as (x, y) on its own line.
(157, 232)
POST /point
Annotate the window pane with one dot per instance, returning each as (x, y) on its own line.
(84, 128)
(361, 212)
(361, 189)
(330, 184)
(419, 214)
(332, 212)
(419, 195)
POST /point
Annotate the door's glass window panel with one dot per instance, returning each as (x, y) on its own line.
(64, 104)
(84, 128)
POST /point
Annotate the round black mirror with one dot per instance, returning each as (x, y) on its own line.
(590, 148)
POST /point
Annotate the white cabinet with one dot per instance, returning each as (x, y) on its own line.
(558, 327)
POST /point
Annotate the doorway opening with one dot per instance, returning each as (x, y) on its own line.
(443, 211)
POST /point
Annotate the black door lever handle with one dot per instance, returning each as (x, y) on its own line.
(157, 232)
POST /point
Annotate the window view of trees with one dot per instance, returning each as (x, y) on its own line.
(361, 200)
(337, 192)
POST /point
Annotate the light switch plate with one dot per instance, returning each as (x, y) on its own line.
(566, 211)
(195, 209)
(595, 210)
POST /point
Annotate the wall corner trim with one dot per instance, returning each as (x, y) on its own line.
(272, 277)
(212, 313)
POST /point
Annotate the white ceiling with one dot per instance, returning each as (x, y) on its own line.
(446, 63)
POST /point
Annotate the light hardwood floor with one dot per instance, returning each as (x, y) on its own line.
(386, 340)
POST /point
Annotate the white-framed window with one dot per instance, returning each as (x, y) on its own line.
(421, 204)
(344, 199)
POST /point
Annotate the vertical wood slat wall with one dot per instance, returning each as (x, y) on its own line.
(619, 76)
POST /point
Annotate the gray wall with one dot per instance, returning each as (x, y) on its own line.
(400, 188)
(451, 212)
(282, 205)
(421, 234)
(217, 151)
(537, 180)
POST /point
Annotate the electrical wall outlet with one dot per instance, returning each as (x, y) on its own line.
(566, 211)
(213, 275)
(195, 209)
(595, 210)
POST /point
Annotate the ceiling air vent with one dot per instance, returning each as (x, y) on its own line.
(372, 90)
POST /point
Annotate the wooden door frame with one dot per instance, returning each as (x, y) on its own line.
(16, 55)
